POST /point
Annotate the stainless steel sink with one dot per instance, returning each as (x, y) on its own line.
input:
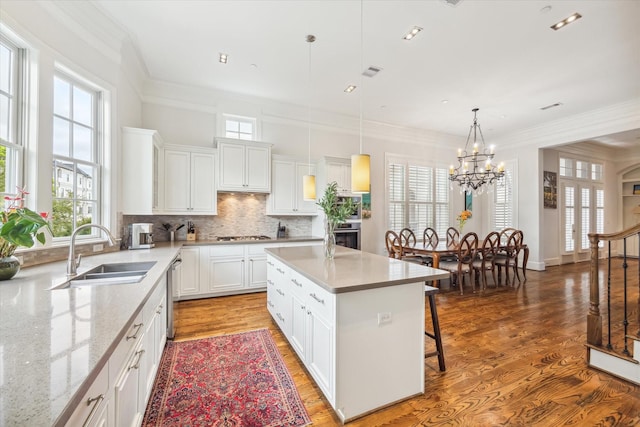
(110, 274)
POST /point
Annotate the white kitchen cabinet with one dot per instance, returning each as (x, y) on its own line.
(141, 171)
(339, 170)
(244, 166)
(127, 411)
(286, 196)
(190, 271)
(95, 407)
(189, 181)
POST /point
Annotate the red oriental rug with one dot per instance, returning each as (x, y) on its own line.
(229, 380)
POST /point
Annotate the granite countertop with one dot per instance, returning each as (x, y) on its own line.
(352, 270)
(54, 342)
(206, 242)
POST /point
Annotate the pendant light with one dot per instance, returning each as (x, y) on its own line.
(309, 180)
(360, 163)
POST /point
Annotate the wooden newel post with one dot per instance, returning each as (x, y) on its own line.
(594, 319)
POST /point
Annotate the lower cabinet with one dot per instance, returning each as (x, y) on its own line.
(189, 271)
(119, 394)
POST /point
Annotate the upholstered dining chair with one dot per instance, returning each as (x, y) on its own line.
(507, 257)
(465, 254)
(407, 241)
(485, 261)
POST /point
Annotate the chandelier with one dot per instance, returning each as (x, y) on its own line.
(475, 170)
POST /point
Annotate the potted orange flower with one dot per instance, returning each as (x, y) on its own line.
(20, 227)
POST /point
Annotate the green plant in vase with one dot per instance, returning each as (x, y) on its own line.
(20, 227)
(335, 214)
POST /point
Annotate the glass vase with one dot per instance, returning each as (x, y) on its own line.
(329, 239)
(9, 267)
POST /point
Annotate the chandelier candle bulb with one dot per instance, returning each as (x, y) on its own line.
(451, 170)
(459, 152)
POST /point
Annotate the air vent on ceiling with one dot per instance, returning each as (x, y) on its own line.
(452, 2)
(371, 71)
(557, 104)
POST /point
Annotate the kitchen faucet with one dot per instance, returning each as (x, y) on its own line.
(72, 263)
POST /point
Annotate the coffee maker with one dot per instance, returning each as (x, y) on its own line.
(141, 236)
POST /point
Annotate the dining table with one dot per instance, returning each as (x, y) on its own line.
(442, 249)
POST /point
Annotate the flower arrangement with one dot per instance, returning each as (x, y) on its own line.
(20, 225)
(462, 218)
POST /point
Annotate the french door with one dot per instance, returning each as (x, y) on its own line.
(582, 212)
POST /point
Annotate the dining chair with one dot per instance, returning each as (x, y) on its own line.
(465, 254)
(507, 257)
(407, 241)
(430, 238)
(453, 235)
(505, 233)
(485, 261)
(392, 242)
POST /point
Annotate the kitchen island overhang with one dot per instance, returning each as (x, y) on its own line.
(355, 321)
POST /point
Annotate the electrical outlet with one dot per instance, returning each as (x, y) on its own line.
(98, 248)
(384, 318)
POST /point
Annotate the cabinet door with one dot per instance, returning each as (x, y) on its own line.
(226, 274)
(127, 412)
(177, 167)
(147, 364)
(161, 329)
(93, 409)
(203, 191)
(341, 174)
(303, 206)
(257, 271)
(232, 167)
(298, 326)
(282, 197)
(189, 271)
(258, 168)
(320, 351)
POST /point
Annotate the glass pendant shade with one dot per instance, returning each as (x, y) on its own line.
(309, 188)
(360, 173)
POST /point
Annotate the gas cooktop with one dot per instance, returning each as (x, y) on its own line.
(240, 238)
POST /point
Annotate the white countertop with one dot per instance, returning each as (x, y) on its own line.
(352, 270)
(52, 340)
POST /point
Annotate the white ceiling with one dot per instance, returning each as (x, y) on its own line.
(500, 56)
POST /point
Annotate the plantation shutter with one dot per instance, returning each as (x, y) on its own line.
(441, 208)
(420, 196)
(569, 215)
(504, 202)
(396, 196)
(585, 220)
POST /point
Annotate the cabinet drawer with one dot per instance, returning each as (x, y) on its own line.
(96, 397)
(125, 347)
(320, 301)
(226, 250)
(149, 310)
(299, 285)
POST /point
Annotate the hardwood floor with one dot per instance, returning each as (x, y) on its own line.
(515, 357)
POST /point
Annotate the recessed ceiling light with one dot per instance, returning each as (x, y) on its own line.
(223, 58)
(371, 71)
(412, 33)
(566, 21)
(350, 88)
(444, 101)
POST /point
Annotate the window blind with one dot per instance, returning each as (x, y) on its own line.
(504, 203)
(585, 206)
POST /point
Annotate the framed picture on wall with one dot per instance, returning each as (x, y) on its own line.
(550, 186)
(468, 201)
(636, 189)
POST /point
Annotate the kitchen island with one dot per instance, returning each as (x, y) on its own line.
(355, 321)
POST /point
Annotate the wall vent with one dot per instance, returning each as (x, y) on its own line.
(371, 71)
(557, 104)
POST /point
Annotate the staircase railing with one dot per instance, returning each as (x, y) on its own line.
(594, 318)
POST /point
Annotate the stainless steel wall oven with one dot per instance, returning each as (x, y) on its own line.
(348, 235)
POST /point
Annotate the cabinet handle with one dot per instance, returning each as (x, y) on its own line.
(309, 312)
(270, 304)
(137, 364)
(280, 292)
(321, 301)
(296, 282)
(302, 307)
(280, 317)
(270, 263)
(269, 282)
(159, 309)
(96, 402)
(280, 270)
(135, 334)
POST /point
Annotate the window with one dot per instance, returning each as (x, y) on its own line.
(240, 127)
(417, 195)
(503, 199)
(11, 72)
(566, 167)
(596, 172)
(75, 155)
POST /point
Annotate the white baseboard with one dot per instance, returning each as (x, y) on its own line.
(538, 266)
(552, 261)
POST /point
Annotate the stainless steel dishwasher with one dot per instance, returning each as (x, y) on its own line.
(173, 282)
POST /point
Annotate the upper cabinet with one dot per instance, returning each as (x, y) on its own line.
(286, 196)
(244, 166)
(339, 170)
(141, 172)
(189, 181)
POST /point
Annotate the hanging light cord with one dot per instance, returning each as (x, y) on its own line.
(361, 65)
(310, 39)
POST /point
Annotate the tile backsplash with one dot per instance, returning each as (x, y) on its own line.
(238, 215)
